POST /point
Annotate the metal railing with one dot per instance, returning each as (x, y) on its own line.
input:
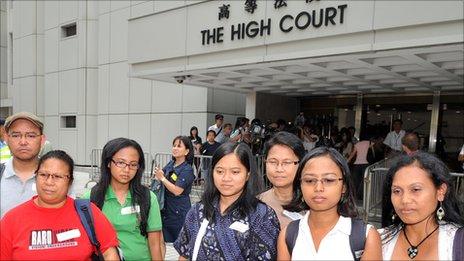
(374, 178)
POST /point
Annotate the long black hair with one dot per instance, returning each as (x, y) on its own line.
(188, 144)
(438, 173)
(346, 205)
(247, 201)
(138, 192)
(59, 155)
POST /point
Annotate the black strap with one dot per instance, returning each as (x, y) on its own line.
(458, 245)
(83, 209)
(357, 238)
(291, 234)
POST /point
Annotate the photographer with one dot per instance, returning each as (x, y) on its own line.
(241, 132)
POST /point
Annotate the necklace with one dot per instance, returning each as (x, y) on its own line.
(412, 250)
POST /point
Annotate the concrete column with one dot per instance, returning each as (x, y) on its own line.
(358, 115)
(250, 108)
(434, 122)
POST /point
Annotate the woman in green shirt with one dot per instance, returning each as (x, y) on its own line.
(132, 208)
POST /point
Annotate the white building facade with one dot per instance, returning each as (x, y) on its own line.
(69, 65)
(95, 70)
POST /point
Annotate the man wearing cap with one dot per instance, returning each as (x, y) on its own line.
(217, 127)
(4, 149)
(24, 136)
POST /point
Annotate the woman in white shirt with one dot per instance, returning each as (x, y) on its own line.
(326, 189)
(420, 212)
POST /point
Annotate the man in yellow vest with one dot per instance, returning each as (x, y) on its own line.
(5, 153)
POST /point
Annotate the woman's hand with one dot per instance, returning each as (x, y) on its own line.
(158, 173)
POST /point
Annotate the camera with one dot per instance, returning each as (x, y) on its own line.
(179, 79)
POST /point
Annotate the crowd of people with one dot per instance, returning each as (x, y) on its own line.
(309, 213)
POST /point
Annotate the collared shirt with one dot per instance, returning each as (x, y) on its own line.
(176, 207)
(339, 236)
(393, 140)
(230, 237)
(13, 190)
(124, 219)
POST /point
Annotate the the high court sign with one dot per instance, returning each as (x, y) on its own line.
(311, 17)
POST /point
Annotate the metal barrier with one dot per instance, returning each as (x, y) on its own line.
(95, 158)
(374, 178)
(459, 185)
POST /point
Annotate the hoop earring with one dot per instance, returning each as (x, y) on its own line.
(440, 212)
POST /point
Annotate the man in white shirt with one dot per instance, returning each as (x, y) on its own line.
(217, 127)
(393, 139)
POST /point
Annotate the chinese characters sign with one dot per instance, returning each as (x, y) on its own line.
(311, 18)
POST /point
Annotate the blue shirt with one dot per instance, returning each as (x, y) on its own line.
(223, 241)
(176, 207)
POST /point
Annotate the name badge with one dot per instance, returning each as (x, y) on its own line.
(292, 215)
(73, 233)
(239, 226)
(130, 210)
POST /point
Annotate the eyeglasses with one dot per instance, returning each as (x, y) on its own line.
(122, 165)
(55, 178)
(285, 164)
(326, 182)
(18, 136)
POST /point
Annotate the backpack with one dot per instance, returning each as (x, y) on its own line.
(458, 245)
(357, 237)
(85, 214)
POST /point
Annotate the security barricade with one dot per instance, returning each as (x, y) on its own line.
(459, 185)
(374, 178)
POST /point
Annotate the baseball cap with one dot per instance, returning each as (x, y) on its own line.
(26, 116)
(218, 116)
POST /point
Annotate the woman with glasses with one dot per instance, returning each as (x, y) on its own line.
(230, 223)
(283, 152)
(131, 207)
(177, 177)
(323, 186)
(48, 227)
(420, 211)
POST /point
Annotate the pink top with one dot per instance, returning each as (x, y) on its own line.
(361, 148)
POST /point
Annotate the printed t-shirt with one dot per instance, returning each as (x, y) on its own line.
(29, 232)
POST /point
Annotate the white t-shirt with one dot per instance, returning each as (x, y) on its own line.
(446, 234)
(393, 140)
(334, 246)
(215, 128)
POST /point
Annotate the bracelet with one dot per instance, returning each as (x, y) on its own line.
(163, 179)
